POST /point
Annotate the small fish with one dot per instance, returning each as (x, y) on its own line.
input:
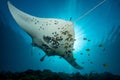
(105, 65)
(69, 35)
(100, 45)
(84, 38)
(88, 54)
(87, 49)
(91, 62)
(81, 53)
(57, 38)
(69, 51)
(89, 40)
(65, 47)
(66, 31)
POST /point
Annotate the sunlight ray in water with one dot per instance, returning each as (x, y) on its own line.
(79, 34)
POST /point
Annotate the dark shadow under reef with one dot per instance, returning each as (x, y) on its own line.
(49, 75)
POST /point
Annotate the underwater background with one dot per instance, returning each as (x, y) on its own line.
(97, 45)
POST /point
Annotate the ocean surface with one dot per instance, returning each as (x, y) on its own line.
(97, 45)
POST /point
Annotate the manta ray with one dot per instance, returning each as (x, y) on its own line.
(55, 37)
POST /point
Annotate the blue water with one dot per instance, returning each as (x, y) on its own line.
(101, 26)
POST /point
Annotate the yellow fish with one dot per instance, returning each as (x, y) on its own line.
(87, 49)
(100, 45)
(105, 65)
(81, 53)
(84, 38)
(89, 40)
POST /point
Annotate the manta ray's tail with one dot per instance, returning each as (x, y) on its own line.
(70, 59)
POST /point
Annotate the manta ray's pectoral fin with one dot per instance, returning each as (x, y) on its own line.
(70, 59)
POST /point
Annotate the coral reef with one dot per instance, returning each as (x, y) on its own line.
(49, 75)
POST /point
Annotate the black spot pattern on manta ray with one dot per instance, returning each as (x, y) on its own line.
(35, 20)
(55, 22)
(51, 40)
(54, 41)
(40, 27)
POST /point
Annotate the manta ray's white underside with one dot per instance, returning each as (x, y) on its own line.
(53, 36)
